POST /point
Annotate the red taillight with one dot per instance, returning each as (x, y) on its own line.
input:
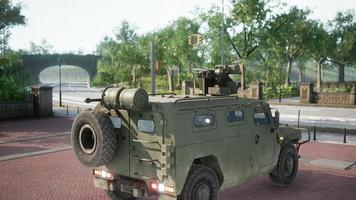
(154, 186)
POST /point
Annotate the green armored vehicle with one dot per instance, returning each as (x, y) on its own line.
(183, 147)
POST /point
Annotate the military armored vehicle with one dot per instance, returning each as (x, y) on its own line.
(183, 147)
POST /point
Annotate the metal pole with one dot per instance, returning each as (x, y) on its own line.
(314, 138)
(222, 34)
(4, 42)
(60, 81)
(344, 135)
(280, 89)
(298, 118)
(153, 69)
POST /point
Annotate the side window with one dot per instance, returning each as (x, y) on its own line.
(261, 118)
(235, 116)
(204, 120)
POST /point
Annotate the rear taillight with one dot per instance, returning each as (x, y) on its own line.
(103, 174)
(161, 188)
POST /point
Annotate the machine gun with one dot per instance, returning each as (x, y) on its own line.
(217, 82)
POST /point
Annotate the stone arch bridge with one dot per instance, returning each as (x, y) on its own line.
(35, 64)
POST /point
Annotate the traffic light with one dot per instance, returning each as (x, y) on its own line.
(200, 39)
(190, 40)
(195, 39)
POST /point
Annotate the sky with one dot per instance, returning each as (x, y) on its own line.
(79, 25)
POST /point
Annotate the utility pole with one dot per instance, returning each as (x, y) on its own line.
(222, 34)
(153, 67)
(280, 86)
(60, 81)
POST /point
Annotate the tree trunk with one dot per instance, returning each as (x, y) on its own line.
(170, 78)
(341, 73)
(289, 66)
(301, 72)
(318, 76)
(178, 77)
(134, 76)
(242, 79)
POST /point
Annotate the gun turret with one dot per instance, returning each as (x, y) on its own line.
(217, 82)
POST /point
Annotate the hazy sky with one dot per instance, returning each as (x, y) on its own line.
(72, 25)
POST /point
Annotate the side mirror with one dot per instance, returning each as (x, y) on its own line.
(276, 118)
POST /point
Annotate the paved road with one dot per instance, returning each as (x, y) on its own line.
(74, 94)
(320, 116)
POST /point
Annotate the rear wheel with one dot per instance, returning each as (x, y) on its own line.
(94, 138)
(201, 184)
(117, 195)
(287, 166)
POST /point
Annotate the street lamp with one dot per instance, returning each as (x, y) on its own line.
(60, 81)
(280, 84)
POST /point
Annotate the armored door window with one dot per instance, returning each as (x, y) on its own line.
(235, 116)
(204, 120)
(261, 118)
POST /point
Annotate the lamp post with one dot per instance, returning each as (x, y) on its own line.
(222, 34)
(60, 81)
(280, 85)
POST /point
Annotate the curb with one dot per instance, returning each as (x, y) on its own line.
(329, 130)
(36, 153)
(312, 105)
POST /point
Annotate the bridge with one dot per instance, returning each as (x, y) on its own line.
(35, 64)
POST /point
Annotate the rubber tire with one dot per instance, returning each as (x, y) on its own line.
(106, 138)
(117, 195)
(198, 174)
(277, 175)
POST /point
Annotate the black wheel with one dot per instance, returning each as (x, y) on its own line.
(201, 184)
(287, 166)
(93, 138)
(117, 195)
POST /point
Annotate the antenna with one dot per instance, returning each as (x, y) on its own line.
(222, 34)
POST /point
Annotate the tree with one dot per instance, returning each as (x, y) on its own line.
(319, 47)
(10, 15)
(43, 48)
(210, 21)
(343, 33)
(123, 57)
(291, 39)
(251, 19)
(173, 47)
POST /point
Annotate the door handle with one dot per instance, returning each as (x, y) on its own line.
(257, 139)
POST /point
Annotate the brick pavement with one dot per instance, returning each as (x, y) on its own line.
(60, 176)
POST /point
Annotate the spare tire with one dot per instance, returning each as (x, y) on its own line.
(94, 138)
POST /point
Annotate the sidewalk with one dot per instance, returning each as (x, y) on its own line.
(33, 136)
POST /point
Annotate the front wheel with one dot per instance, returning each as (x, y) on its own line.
(201, 184)
(287, 166)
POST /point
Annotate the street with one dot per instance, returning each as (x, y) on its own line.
(74, 94)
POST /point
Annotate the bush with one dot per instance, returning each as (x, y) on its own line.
(10, 89)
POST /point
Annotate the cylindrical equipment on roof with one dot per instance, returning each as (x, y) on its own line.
(121, 98)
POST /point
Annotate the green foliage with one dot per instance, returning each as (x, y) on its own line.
(343, 33)
(268, 44)
(124, 58)
(10, 14)
(211, 48)
(286, 91)
(11, 88)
